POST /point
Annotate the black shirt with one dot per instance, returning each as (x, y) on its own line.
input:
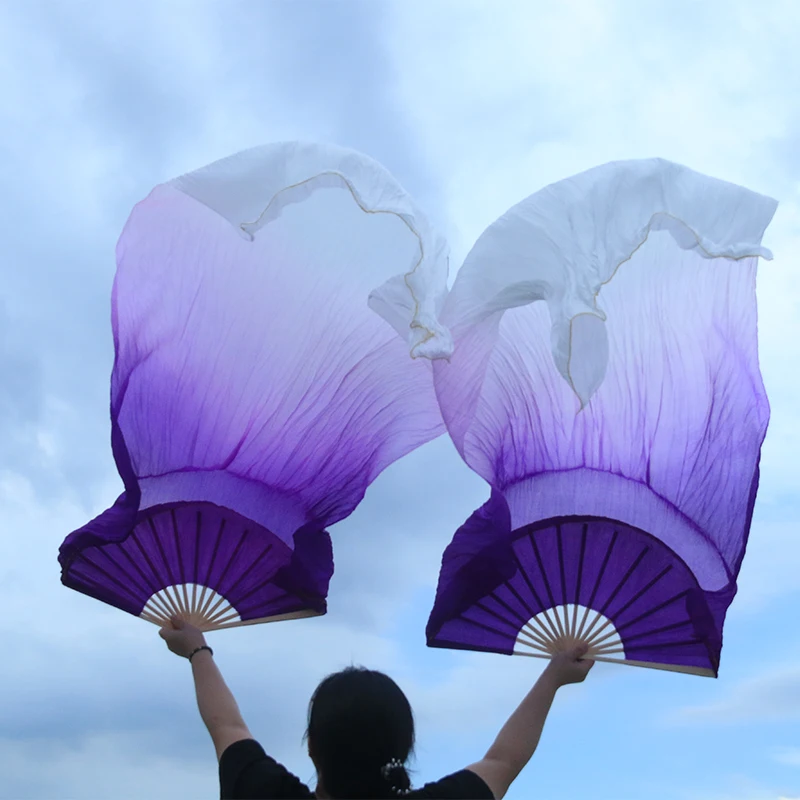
(246, 772)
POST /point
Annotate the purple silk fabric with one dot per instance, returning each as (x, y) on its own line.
(255, 393)
(661, 465)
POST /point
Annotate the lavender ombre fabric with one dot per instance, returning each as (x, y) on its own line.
(629, 400)
(260, 383)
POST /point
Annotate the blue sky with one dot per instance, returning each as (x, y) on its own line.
(472, 106)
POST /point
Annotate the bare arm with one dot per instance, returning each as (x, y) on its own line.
(217, 706)
(519, 737)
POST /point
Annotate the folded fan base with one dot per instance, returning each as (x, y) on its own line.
(168, 562)
(204, 608)
(561, 628)
(583, 579)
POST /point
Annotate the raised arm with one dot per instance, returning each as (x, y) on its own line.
(217, 706)
(519, 737)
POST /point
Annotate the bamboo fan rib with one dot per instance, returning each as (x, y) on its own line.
(202, 563)
(614, 587)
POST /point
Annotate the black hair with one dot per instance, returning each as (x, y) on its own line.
(359, 720)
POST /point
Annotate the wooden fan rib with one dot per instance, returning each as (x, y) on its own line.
(226, 611)
(196, 571)
(681, 643)
(525, 622)
(553, 632)
(599, 640)
(147, 587)
(653, 610)
(610, 599)
(533, 634)
(213, 606)
(135, 538)
(86, 559)
(234, 556)
(148, 592)
(644, 591)
(581, 635)
(210, 611)
(546, 640)
(158, 604)
(172, 580)
(630, 602)
(625, 578)
(532, 645)
(655, 631)
(608, 651)
(584, 534)
(535, 594)
(647, 633)
(532, 615)
(181, 570)
(492, 613)
(548, 656)
(481, 625)
(167, 592)
(162, 622)
(303, 614)
(226, 615)
(686, 670)
(165, 598)
(530, 638)
(207, 581)
(267, 550)
(558, 628)
(550, 596)
(256, 589)
(244, 609)
(156, 613)
(563, 576)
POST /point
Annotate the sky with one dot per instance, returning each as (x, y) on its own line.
(472, 106)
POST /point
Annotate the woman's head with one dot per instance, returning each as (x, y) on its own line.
(358, 721)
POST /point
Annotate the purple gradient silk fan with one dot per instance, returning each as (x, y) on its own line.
(619, 422)
(263, 311)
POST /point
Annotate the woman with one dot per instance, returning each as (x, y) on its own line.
(360, 734)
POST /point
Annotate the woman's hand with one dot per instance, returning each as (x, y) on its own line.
(518, 739)
(570, 667)
(182, 638)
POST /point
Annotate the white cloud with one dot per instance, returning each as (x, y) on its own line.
(789, 756)
(107, 765)
(741, 788)
(769, 571)
(510, 97)
(770, 695)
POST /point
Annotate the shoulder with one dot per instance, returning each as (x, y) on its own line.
(496, 774)
(246, 771)
(462, 785)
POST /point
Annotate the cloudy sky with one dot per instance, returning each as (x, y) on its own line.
(472, 106)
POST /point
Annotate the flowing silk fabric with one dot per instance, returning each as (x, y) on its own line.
(629, 401)
(263, 312)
